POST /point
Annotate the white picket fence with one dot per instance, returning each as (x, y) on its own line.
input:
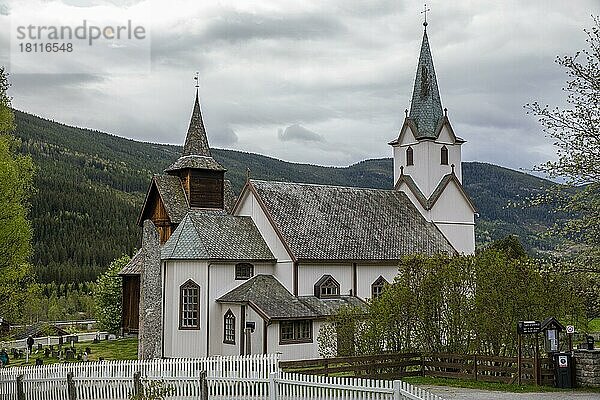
(255, 377)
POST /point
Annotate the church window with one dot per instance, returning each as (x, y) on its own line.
(229, 327)
(327, 287)
(189, 305)
(409, 156)
(299, 331)
(244, 271)
(377, 287)
(444, 155)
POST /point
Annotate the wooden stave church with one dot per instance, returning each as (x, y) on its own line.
(194, 189)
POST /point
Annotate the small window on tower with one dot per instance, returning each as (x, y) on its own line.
(444, 155)
(409, 156)
(244, 271)
(327, 287)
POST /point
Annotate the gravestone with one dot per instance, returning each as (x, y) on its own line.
(39, 361)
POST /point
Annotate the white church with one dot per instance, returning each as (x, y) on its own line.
(262, 273)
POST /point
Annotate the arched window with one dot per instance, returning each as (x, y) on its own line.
(244, 271)
(444, 155)
(377, 287)
(327, 287)
(229, 327)
(409, 156)
(189, 305)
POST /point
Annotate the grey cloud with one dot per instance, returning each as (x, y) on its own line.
(241, 27)
(224, 136)
(299, 133)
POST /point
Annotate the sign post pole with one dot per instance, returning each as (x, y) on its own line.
(519, 359)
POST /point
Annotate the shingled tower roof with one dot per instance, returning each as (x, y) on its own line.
(196, 152)
(196, 142)
(426, 105)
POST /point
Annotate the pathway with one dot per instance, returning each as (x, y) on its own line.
(451, 393)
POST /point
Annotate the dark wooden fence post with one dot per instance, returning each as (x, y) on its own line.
(203, 386)
(422, 364)
(137, 384)
(475, 366)
(71, 389)
(20, 390)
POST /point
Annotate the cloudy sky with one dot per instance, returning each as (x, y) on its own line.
(323, 82)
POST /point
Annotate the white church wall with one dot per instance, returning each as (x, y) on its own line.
(454, 217)
(452, 206)
(228, 349)
(309, 274)
(369, 273)
(222, 280)
(284, 269)
(461, 236)
(184, 343)
(296, 351)
(256, 337)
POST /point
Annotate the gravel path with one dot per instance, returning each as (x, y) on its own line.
(451, 393)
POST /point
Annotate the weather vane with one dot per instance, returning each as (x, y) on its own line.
(197, 79)
(425, 9)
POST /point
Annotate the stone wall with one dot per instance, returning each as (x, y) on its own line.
(150, 330)
(587, 367)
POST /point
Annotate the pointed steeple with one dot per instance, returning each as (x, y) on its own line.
(196, 152)
(426, 105)
(196, 142)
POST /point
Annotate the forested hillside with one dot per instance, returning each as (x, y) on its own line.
(90, 186)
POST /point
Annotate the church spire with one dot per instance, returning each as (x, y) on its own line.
(426, 105)
(196, 142)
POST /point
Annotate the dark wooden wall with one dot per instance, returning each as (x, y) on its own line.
(131, 303)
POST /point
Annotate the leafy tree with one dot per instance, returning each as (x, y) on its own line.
(576, 134)
(16, 173)
(108, 296)
(456, 304)
(576, 130)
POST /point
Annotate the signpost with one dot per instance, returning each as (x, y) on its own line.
(570, 331)
(527, 328)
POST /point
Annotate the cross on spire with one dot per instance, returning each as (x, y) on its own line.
(425, 10)
(197, 79)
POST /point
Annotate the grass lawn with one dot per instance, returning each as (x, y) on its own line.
(501, 387)
(119, 349)
(594, 325)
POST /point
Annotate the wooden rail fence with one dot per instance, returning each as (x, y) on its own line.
(394, 366)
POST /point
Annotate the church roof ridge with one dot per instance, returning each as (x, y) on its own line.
(322, 185)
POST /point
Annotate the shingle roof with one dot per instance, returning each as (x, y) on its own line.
(340, 223)
(135, 265)
(173, 196)
(229, 197)
(196, 142)
(216, 235)
(274, 301)
(196, 151)
(195, 161)
(426, 106)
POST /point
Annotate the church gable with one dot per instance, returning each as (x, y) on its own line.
(451, 188)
